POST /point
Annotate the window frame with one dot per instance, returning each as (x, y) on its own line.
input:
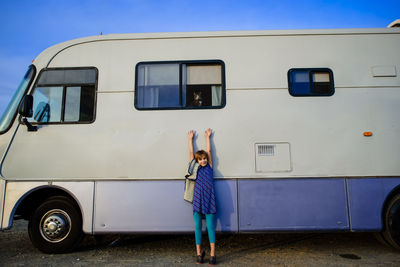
(35, 86)
(311, 83)
(181, 63)
(11, 123)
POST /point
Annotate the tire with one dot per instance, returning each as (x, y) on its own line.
(391, 229)
(381, 239)
(56, 225)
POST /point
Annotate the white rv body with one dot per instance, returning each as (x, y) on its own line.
(125, 170)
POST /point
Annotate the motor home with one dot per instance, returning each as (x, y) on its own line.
(305, 133)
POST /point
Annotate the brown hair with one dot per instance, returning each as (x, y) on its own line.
(200, 154)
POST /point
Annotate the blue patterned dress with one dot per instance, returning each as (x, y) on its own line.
(204, 195)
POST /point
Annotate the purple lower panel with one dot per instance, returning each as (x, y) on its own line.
(366, 200)
(156, 206)
(292, 204)
(226, 194)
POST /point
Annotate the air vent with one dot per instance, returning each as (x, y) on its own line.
(266, 150)
(272, 157)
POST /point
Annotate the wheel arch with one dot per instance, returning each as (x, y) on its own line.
(29, 201)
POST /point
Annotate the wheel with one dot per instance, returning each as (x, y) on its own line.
(56, 225)
(391, 230)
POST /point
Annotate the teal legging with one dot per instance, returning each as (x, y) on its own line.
(210, 220)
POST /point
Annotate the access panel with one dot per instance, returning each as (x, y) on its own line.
(157, 206)
(292, 204)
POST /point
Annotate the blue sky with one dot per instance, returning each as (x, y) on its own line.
(29, 27)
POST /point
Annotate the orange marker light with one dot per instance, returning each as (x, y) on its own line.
(367, 133)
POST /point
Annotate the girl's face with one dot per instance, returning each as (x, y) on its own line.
(202, 161)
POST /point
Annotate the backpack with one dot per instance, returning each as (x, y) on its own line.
(190, 180)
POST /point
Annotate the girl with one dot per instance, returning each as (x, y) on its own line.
(204, 203)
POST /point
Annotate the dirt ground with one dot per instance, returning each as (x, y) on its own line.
(311, 249)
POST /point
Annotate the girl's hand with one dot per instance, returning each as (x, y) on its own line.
(208, 132)
(191, 135)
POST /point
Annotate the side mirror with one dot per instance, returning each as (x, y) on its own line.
(26, 106)
(26, 111)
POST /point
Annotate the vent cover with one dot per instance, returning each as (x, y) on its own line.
(272, 157)
(265, 150)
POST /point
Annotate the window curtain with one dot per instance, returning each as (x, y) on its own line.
(216, 95)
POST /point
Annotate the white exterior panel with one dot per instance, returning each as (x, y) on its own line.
(82, 192)
(124, 143)
(251, 62)
(15, 191)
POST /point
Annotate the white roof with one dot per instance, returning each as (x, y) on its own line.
(395, 23)
(53, 50)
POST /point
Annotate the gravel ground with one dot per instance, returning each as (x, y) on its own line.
(311, 249)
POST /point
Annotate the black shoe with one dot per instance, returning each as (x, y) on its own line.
(200, 258)
(213, 260)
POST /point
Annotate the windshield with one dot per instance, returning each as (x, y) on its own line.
(11, 109)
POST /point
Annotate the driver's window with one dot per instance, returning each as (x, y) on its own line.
(65, 96)
(47, 104)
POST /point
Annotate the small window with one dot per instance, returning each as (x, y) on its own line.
(180, 85)
(65, 96)
(311, 82)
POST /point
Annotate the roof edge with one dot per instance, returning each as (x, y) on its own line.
(203, 34)
(55, 49)
(394, 24)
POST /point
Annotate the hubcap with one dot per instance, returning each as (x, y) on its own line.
(55, 225)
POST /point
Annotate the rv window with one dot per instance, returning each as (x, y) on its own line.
(158, 86)
(203, 85)
(311, 82)
(65, 96)
(79, 104)
(179, 85)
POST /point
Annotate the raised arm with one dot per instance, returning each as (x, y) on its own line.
(190, 139)
(208, 143)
